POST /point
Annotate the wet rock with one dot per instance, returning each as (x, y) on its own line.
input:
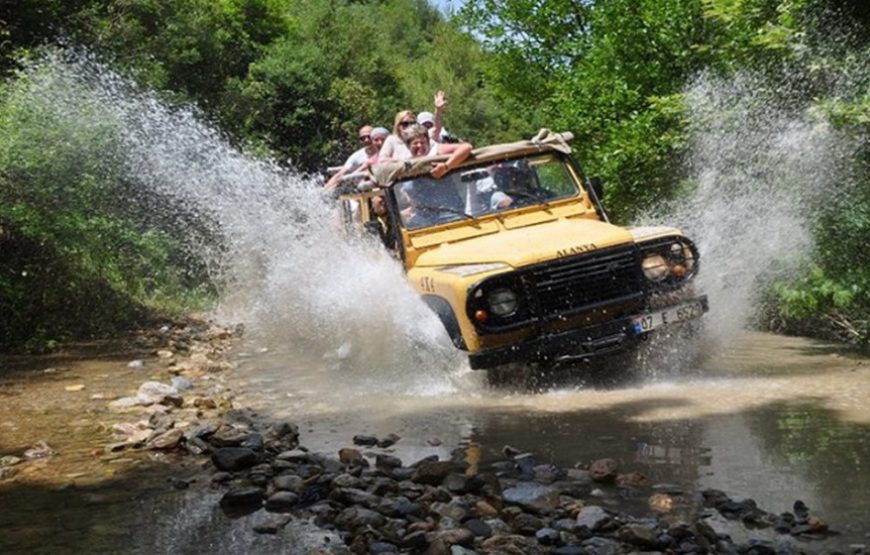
(671, 489)
(167, 440)
(572, 488)
(202, 430)
(288, 482)
(433, 473)
(364, 440)
(456, 536)
(7, 472)
(151, 393)
(346, 481)
(415, 540)
(533, 497)
(601, 546)
(388, 441)
(478, 527)
(180, 383)
(228, 436)
(356, 517)
(639, 535)
(509, 545)
(241, 501)
(205, 403)
(526, 524)
(485, 509)
(603, 470)
(593, 517)
(579, 475)
(196, 446)
(548, 536)
(161, 421)
(233, 459)
(350, 496)
(9, 460)
(388, 462)
(456, 483)
(179, 483)
(254, 442)
(282, 437)
(295, 456)
(124, 403)
(453, 511)
(633, 480)
(376, 548)
(271, 525)
(39, 450)
(546, 473)
(660, 502)
(282, 502)
(136, 364)
(800, 509)
(349, 456)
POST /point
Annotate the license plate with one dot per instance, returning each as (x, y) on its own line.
(672, 315)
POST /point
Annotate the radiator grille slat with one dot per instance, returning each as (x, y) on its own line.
(588, 279)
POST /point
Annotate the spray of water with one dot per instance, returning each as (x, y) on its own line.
(285, 267)
(763, 165)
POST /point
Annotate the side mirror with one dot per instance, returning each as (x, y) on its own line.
(597, 186)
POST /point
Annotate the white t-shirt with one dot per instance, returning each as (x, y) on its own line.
(356, 160)
(394, 148)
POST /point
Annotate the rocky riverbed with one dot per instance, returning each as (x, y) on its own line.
(364, 499)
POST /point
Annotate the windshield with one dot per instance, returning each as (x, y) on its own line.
(481, 190)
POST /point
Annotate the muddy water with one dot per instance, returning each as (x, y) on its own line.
(773, 418)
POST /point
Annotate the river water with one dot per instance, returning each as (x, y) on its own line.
(773, 418)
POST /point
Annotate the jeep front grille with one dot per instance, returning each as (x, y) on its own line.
(586, 280)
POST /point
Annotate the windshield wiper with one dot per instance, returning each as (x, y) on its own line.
(465, 215)
(526, 194)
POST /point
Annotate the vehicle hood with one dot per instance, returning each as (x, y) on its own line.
(528, 245)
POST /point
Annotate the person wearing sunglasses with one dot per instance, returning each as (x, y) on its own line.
(359, 158)
(394, 147)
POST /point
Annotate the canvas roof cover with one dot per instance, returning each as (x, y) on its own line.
(387, 173)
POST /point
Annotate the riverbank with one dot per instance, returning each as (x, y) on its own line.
(166, 424)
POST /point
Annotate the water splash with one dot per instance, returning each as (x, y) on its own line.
(283, 264)
(761, 164)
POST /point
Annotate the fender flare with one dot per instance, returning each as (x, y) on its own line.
(442, 308)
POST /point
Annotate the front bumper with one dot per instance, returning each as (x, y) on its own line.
(593, 341)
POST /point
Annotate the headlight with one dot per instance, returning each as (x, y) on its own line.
(502, 302)
(655, 267)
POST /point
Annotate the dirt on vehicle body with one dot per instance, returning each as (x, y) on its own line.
(515, 254)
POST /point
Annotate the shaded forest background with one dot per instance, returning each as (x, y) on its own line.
(293, 79)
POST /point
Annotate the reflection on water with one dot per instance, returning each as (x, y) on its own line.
(776, 419)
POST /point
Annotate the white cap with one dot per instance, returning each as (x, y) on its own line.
(426, 117)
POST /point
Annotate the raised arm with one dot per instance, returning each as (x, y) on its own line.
(440, 103)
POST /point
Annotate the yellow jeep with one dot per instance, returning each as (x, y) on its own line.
(515, 254)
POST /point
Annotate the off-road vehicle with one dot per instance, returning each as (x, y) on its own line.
(514, 252)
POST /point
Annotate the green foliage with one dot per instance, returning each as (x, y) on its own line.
(72, 263)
